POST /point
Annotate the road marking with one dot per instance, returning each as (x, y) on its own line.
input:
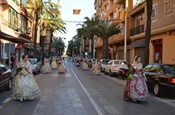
(38, 76)
(1, 107)
(88, 95)
(6, 100)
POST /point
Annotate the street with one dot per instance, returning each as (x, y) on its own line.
(78, 92)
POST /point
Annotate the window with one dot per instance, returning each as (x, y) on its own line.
(23, 24)
(168, 6)
(3, 69)
(147, 68)
(13, 19)
(154, 69)
(154, 12)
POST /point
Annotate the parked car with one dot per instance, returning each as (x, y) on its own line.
(5, 77)
(113, 66)
(36, 65)
(102, 63)
(160, 78)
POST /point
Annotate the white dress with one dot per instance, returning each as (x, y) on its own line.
(46, 67)
(54, 64)
(25, 86)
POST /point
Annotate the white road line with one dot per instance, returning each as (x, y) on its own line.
(87, 93)
(1, 107)
(6, 100)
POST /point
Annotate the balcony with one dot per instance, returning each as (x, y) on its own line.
(6, 32)
(137, 30)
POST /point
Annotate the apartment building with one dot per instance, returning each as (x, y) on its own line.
(15, 28)
(162, 30)
(109, 9)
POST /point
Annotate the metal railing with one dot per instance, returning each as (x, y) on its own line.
(137, 30)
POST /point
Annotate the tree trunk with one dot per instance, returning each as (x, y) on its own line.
(105, 49)
(148, 30)
(92, 48)
(35, 34)
(50, 43)
(42, 45)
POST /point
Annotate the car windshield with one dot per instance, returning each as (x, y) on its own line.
(33, 61)
(105, 61)
(168, 70)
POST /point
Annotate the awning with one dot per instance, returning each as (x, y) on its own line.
(19, 39)
(18, 46)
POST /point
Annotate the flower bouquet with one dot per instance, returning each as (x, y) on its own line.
(21, 71)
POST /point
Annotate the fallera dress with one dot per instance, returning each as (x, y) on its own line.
(54, 63)
(46, 67)
(25, 86)
(136, 87)
(61, 67)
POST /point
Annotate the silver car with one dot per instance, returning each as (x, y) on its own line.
(36, 65)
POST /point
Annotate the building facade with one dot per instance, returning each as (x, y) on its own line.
(15, 28)
(162, 30)
(133, 29)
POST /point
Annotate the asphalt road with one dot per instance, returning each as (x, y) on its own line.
(78, 92)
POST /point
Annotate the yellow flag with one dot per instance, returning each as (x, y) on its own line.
(121, 15)
(76, 11)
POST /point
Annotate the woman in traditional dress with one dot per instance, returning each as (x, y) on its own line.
(46, 67)
(136, 87)
(95, 68)
(84, 64)
(25, 86)
(54, 63)
(61, 67)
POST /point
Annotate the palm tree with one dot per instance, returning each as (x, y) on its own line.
(59, 45)
(51, 19)
(34, 7)
(148, 30)
(105, 31)
(86, 30)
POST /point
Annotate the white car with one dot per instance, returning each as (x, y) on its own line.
(102, 63)
(36, 65)
(113, 67)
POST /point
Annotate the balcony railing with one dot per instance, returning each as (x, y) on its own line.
(137, 30)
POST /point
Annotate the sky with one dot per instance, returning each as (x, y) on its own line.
(71, 20)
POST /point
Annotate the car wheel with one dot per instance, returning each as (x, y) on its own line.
(110, 73)
(9, 86)
(157, 89)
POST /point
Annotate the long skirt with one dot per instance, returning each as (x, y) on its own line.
(54, 65)
(84, 65)
(46, 68)
(136, 88)
(25, 88)
(61, 69)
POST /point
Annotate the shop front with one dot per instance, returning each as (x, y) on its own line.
(139, 49)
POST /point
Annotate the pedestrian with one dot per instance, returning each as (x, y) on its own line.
(25, 86)
(12, 61)
(84, 63)
(95, 67)
(54, 63)
(61, 67)
(46, 67)
(136, 87)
